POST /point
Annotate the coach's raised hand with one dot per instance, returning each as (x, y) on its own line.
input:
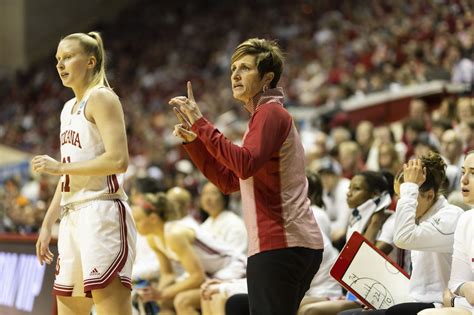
(183, 129)
(187, 105)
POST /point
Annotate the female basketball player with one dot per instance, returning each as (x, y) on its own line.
(97, 234)
(177, 238)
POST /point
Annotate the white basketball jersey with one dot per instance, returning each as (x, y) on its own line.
(213, 254)
(81, 141)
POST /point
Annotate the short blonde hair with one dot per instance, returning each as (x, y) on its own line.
(268, 57)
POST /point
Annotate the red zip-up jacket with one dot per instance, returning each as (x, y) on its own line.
(268, 169)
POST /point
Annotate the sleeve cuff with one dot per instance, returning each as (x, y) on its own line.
(222, 289)
(198, 124)
(409, 189)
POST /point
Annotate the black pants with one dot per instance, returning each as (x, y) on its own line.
(278, 279)
(408, 308)
(399, 309)
(237, 304)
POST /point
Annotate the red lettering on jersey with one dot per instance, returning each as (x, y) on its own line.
(71, 137)
(77, 142)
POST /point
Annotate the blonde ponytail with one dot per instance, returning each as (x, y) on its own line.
(93, 46)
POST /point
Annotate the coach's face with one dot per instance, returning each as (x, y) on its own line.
(246, 80)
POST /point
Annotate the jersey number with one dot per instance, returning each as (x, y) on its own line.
(65, 185)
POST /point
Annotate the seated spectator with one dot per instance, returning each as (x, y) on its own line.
(451, 148)
(175, 238)
(452, 151)
(223, 224)
(464, 110)
(412, 129)
(182, 200)
(461, 282)
(318, 149)
(439, 126)
(370, 195)
(466, 130)
(339, 135)
(425, 224)
(335, 189)
(145, 266)
(458, 299)
(418, 111)
(388, 158)
(463, 71)
(369, 198)
(365, 138)
(423, 145)
(384, 135)
(350, 157)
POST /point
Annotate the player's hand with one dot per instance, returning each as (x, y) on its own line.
(187, 105)
(46, 164)
(447, 295)
(209, 288)
(42, 247)
(414, 172)
(209, 292)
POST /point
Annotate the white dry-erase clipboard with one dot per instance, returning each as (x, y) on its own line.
(369, 274)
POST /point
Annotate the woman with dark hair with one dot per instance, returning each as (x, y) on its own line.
(424, 224)
(369, 198)
(315, 189)
(269, 170)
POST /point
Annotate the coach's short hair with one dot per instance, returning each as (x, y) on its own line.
(268, 56)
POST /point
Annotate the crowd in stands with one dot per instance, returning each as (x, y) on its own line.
(334, 52)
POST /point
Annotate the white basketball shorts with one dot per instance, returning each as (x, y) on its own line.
(96, 243)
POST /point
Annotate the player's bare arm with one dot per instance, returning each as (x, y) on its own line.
(105, 110)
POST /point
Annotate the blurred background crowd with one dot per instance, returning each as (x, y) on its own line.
(336, 51)
(368, 53)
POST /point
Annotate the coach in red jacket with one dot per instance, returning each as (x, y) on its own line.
(285, 243)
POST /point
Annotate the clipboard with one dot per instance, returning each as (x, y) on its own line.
(375, 279)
